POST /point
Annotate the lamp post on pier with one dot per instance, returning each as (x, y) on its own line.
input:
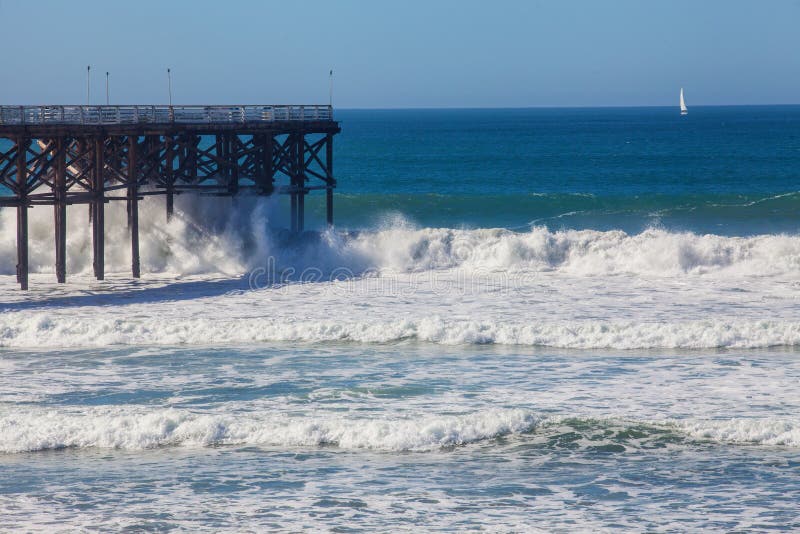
(330, 90)
(169, 82)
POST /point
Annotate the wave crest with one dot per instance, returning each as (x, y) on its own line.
(214, 238)
(119, 427)
(19, 329)
(123, 428)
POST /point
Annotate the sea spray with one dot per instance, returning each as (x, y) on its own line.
(236, 236)
(206, 235)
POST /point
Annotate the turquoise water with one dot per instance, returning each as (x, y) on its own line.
(525, 320)
(719, 169)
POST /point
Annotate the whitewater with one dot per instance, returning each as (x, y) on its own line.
(241, 282)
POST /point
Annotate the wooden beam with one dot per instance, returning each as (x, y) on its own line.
(293, 183)
(133, 204)
(232, 160)
(22, 244)
(169, 156)
(266, 178)
(98, 207)
(22, 217)
(329, 173)
(60, 209)
(301, 181)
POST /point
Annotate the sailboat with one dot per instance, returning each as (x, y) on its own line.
(684, 111)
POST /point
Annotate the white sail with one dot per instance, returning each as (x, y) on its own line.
(684, 111)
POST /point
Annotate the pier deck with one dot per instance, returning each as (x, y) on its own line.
(63, 155)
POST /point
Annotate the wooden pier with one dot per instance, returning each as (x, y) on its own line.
(63, 155)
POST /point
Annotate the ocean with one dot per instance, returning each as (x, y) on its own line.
(524, 320)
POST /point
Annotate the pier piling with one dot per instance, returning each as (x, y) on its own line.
(22, 212)
(133, 203)
(60, 211)
(330, 183)
(98, 209)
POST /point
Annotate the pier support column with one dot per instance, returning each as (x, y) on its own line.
(169, 171)
(98, 209)
(300, 184)
(60, 209)
(22, 213)
(330, 179)
(22, 243)
(232, 142)
(266, 178)
(293, 182)
(191, 157)
(133, 204)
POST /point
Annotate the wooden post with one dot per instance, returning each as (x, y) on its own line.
(22, 243)
(191, 155)
(330, 180)
(301, 211)
(60, 208)
(219, 150)
(301, 182)
(133, 203)
(87, 162)
(293, 182)
(22, 214)
(232, 158)
(98, 190)
(169, 174)
(268, 171)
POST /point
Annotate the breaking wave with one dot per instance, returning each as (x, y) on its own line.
(19, 329)
(222, 238)
(36, 429)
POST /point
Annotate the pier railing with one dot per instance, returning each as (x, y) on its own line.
(113, 115)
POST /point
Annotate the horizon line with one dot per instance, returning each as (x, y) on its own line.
(649, 106)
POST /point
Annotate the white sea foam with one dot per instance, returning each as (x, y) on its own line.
(125, 428)
(214, 237)
(574, 289)
(206, 236)
(34, 429)
(767, 431)
(50, 330)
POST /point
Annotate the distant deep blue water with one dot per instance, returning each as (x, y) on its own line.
(564, 320)
(726, 170)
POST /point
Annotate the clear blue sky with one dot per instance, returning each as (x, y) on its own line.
(446, 53)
